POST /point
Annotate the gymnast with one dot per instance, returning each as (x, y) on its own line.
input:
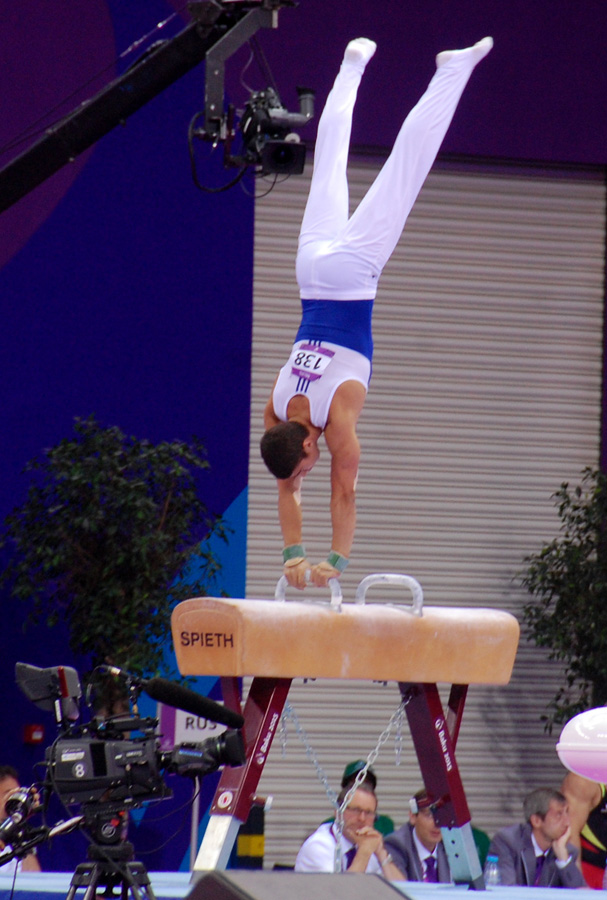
(323, 385)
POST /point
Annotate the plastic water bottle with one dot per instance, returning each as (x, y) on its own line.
(491, 871)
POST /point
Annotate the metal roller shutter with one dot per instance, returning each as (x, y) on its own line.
(485, 396)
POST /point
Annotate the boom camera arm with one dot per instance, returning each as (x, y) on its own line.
(265, 124)
(220, 25)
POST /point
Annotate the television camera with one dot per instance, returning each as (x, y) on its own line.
(264, 130)
(109, 766)
(267, 131)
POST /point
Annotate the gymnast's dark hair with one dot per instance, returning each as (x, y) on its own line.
(282, 448)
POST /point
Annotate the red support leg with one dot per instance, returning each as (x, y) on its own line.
(436, 754)
(237, 786)
(455, 710)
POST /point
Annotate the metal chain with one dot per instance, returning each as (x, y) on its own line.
(289, 713)
(398, 737)
(396, 719)
(282, 734)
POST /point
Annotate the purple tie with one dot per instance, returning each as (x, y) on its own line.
(539, 865)
(430, 874)
(349, 857)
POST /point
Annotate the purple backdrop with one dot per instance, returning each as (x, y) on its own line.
(540, 95)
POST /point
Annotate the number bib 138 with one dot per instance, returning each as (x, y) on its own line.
(309, 361)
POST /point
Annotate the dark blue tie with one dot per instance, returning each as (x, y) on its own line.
(539, 865)
(430, 873)
(349, 856)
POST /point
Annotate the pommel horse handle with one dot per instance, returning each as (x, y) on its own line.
(392, 578)
(334, 587)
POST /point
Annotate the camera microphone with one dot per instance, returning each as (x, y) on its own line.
(172, 694)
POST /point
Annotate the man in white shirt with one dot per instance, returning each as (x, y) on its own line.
(362, 847)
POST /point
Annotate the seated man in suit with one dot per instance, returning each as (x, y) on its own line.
(539, 853)
(416, 847)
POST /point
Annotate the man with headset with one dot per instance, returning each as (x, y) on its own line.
(417, 846)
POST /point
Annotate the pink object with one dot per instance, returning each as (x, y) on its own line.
(582, 747)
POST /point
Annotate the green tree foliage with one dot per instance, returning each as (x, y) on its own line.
(568, 582)
(108, 526)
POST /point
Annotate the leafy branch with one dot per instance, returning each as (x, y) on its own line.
(109, 524)
(567, 579)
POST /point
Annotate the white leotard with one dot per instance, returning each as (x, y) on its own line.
(316, 370)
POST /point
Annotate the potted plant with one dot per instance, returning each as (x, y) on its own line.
(109, 524)
(567, 579)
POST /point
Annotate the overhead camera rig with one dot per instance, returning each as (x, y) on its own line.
(269, 142)
(220, 25)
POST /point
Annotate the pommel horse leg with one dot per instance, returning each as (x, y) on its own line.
(434, 738)
(237, 786)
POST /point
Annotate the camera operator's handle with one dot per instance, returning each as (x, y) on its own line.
(334, 587)
(392, 578)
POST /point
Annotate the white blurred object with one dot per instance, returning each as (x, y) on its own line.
(582, 747)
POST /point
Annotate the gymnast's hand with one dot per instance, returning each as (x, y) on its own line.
(296, 572)
(320, 574)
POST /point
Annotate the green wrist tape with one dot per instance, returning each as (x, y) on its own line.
(338, 561)
(292, 551)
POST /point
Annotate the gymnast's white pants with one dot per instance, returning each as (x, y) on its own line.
(341, 258)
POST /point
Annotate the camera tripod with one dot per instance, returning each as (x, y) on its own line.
(111, 867)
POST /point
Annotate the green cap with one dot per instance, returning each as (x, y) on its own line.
(352, 770)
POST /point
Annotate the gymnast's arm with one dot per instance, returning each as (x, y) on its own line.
(582, 796)
(289, 512)
(344, 447)
(289, 516)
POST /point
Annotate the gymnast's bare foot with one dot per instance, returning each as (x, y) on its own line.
(478, 51)
(359, 52)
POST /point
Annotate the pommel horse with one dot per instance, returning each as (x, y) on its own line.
(275, 641)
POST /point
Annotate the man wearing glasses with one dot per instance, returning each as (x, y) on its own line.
(362, 846)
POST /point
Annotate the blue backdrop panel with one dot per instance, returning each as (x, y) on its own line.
(126, 293)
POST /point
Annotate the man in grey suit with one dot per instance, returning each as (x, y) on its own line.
(538, 853)
(416, 847)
